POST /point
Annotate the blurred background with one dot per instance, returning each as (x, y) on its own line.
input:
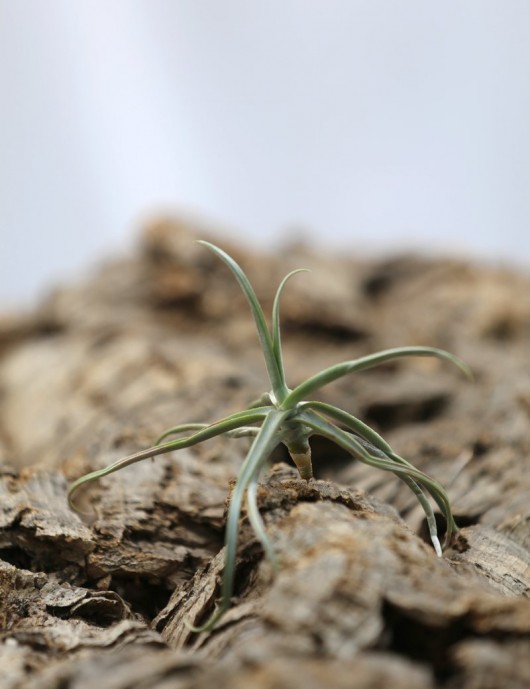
(359, 125)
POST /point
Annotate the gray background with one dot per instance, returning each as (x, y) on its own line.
(361, 125)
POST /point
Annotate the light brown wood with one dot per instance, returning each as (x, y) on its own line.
(100, 368)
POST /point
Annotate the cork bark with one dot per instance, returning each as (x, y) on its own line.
(101, 367)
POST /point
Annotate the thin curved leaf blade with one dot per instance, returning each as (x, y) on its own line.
(276, 336)
(257, 524)
(337, 371)
(229, 423)
(352, 445)
(264, 443)
(274, 371)
(376, 444)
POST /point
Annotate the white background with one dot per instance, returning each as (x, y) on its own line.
(367, 125)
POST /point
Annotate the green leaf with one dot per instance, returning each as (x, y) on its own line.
(375, 443)
(275, 373)
(218, 428)
(257, 522)
(339, 370)
(351, 422)
(352, 445)
(276, 338)
(181, 428)
(243, 432)
(264, 443)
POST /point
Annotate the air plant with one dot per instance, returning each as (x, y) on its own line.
(285, 416)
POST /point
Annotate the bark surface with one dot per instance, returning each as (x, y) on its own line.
(100, 368)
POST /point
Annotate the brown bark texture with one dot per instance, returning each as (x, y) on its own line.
(360, 600)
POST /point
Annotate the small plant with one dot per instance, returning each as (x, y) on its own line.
(286, 416)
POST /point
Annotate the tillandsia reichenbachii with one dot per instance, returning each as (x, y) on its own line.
(285, 416)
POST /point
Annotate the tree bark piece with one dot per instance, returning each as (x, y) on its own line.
(101, 368)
